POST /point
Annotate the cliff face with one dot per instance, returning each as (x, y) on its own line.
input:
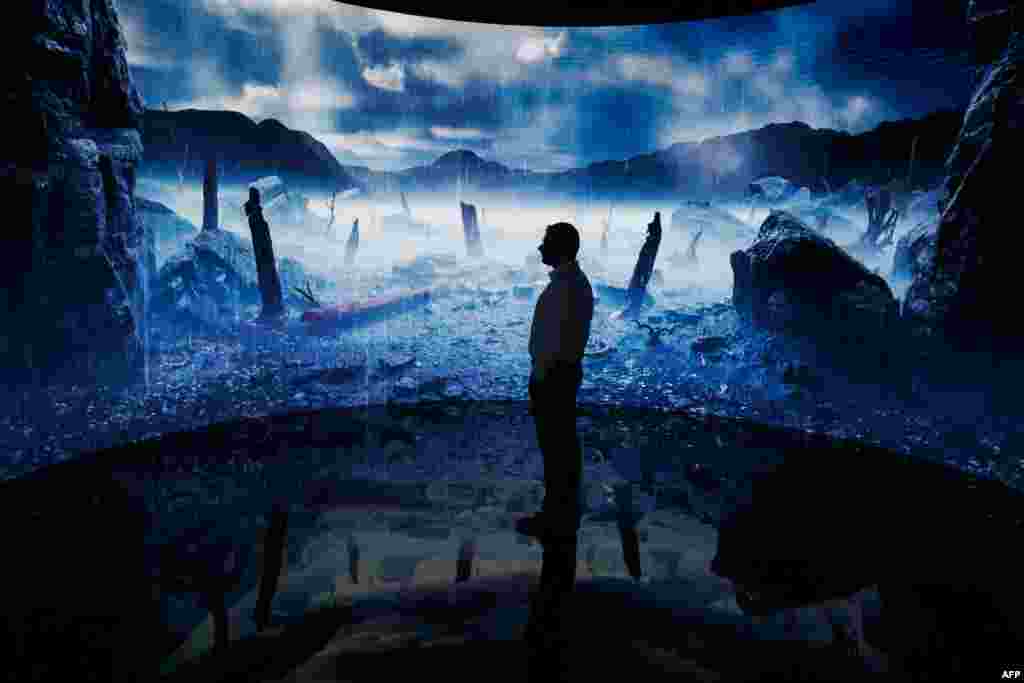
(70, 296)
(958, 297)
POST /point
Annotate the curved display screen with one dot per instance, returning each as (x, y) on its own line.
(308, 289)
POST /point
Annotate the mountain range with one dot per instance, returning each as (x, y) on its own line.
(821, 159)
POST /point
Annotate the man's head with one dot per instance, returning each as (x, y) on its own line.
(560, 245)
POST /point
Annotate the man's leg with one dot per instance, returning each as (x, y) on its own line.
(555, 420)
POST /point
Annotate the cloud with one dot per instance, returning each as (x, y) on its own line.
(447, 133)
(531, 95)
(390, 77)
(536, 49)
(379, 47)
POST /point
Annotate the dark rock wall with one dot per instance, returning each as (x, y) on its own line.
(72, 305)
(958, 299)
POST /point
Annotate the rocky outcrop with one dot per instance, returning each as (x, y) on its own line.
(915, 251)
(71, 306)
(213, 283)
(794, 279)
(167, 230)
(244, 149)
(959, 299)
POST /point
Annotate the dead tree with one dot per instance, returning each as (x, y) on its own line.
(330, 222)
(308, 295)
(691, 252)
(644, 266)
(353, 244)
(882, 218)
(273, 557)
(266, 266)
(405, 206)
(210, 193)
(471, 230)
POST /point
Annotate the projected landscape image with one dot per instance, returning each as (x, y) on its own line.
(254, 219)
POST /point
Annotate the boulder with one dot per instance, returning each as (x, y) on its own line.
(168, 230)
(794, 279)
(213, 282)
(71, 306)
(915, 250)
(960, 299)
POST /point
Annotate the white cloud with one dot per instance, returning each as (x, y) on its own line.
(391, 77)
(142, 50)
(318, 95)
(855, 109)
(446, 133)
(534, 49)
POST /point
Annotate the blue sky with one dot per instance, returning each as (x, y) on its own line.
(391, 91)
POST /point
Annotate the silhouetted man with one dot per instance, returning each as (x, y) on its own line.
(558, 337)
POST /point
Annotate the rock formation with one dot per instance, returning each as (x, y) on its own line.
(915, 250)
(794, 279)
(72, 306)
(958, 299)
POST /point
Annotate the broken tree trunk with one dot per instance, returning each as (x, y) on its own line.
(273, 557)
(331, 318)
(644, 266)
(691, 252)
(353, 244)
(210, 193)
(405, 206)
(266, 266)
(471, 230)
(330, 223)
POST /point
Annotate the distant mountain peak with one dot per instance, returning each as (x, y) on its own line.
(458, 156)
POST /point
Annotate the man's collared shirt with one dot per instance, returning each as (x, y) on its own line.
(561, 319)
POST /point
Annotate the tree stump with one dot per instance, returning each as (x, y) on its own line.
(210, 218)
(266, 267)
(644, 266)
